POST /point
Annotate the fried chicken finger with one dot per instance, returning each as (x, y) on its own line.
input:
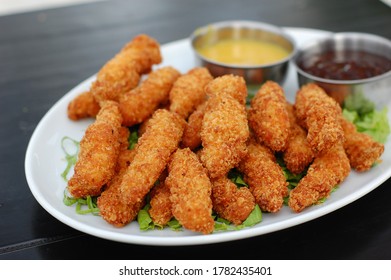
(268, 116)
(327, 171)
(224, 132)
(264, 177)
(154, 148)
(139, 104)
(188, 91)
(83, 106)
(190, 190)
(320, 115)
(99, 149)
(362, 150)
(230, 202)
(298, 154)
(122, 73)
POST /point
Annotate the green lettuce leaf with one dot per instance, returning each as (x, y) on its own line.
(254, 218)
(374, 123)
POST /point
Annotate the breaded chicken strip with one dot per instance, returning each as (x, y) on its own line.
(161, 206)
(192, 134)
(188, 91)
(112, 208)
(224, 134)
(190, 189)
(122, 73)
(154, 148)
(362, 150)
(139, 104)
(230, 202)
(268, 117)
(99, 149)
(83, 106)
(264, 176)
(319, 114)
(125, 155)
(298, 154)
(224, 85)
(327, 171)
(228, 85)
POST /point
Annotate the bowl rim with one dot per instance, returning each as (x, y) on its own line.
(333, 37)
(244, 24)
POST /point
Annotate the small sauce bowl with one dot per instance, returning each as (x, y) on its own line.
(237, 47)
(348, 63)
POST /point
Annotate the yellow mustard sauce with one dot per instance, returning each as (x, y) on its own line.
(244, 52)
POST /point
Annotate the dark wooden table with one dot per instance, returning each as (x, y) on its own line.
(43, 54)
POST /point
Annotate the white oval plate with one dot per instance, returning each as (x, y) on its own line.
(45, 161)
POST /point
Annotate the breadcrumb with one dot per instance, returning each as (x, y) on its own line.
(320, 115)
(190, 189)
(99, 150)
(139, 104)
(188, 91)
(362, 150)
(298, 154)
(230, 202)
(327, 171)
(264, 176)
(123, 72)
(268, 117)
(153, 150)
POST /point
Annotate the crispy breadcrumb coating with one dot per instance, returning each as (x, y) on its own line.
(122, 73)
(228, 85)
(192, 134)
(327, 171)
(188, 91)
(99, 149)
(190, 189)
(161, 206)
(139, 104)
(268, 117)
(125, 155)
(298, 154)
(319, 114)
(153, 150)
(112, 208)
(264, 176)
(224, 85)
(83, 106)
(230, 202)
(362, 150)
(224, 134)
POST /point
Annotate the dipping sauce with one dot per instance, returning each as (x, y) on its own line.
(244, 52)
(346, 65)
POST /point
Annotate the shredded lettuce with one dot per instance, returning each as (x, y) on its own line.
(362, 112)
(146, 223)
(254, 218)
(358, 103)
(174, 224)
(71, 158)
(133, 139)
(292, 179)
(375, 124)
(236, 177)
(144, 219)
(83, 206)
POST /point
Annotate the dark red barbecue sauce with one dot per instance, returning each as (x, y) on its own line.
(346, 65)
